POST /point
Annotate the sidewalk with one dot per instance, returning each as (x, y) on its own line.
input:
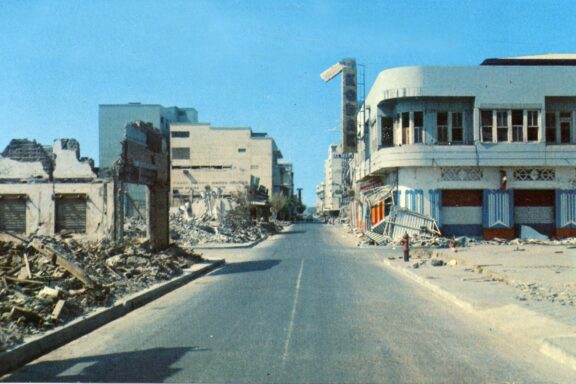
(526, 291)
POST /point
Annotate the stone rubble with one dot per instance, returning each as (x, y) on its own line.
(37, 294)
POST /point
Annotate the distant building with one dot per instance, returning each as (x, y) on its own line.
(112, 120)
(320, 194)
(335, 180)
(283, 182)
(221, 159)
(482, 149)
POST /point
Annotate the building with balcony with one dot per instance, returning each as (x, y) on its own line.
(482, 149)
(222, 159)
(336, 180)
(284, 178)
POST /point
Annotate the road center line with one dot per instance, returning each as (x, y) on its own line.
(293, 314)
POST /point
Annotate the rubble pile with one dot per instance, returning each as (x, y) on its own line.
(230, 227)
(47, 281)
(534, 291)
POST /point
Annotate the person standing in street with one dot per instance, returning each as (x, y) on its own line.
(406, 246)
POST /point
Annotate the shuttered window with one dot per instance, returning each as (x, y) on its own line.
(71, 213)
(13, 213)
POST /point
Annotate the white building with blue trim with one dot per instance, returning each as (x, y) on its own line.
(482, 149)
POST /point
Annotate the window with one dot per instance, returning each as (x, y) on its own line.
(180, 133)
(502, 126)
(13, 213)
(405, 128)
(180, 153)
(517, 125)
(551, 127)
(418, 127)
(442, 127)
(565, 127)
(533, 127)
(486, 122)
(387, 132)
(457, 128)
(71, 213)
(241, 150)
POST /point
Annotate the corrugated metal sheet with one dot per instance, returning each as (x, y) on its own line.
(566, 208)
(402, 221)
(497, 211)
(71, 214)
(13, 214)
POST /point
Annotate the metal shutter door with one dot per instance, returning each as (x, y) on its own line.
(71, 214)
(13, 214)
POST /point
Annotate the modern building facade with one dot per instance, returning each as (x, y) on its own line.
(482, 149)
(220, 159)
(112, 120)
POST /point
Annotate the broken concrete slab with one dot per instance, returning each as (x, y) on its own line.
(529, 233)
(63, 261)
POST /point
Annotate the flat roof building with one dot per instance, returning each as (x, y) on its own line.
(225, 159)
(483, 149)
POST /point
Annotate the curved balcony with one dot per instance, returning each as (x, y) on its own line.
(479, 155)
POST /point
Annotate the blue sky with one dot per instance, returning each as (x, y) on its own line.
(241, 63)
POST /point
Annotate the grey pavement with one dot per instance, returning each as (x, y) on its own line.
(305, 306)
(526, 291)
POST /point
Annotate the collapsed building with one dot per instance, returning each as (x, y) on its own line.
(49, 190)
(482, 150)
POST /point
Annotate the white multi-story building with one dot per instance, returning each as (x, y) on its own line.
(225, 159)
(320, 192)
(335, 186)
(482, 149)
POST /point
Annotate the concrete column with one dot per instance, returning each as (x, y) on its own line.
(476, 126)
(118, 227)
(158, 226)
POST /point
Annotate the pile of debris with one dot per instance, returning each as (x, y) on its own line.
(189, 227)
(47, 281)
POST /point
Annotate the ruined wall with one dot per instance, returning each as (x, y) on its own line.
(38, 184)
(41, 200)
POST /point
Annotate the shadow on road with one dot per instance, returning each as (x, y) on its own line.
(148, 366)
(289, 233)
(247, 266)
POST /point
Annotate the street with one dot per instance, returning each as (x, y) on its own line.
(306, 305)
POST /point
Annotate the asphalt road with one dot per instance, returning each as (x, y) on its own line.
(306, 306)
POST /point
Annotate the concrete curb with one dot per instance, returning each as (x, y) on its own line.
(231, 245)
(24, 353)
(561, 349)
(251, 244)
